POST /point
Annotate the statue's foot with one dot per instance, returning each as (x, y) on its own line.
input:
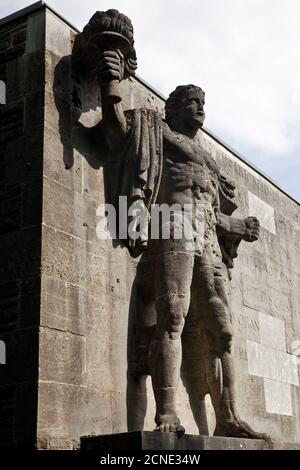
(238, 428)
(169, 423)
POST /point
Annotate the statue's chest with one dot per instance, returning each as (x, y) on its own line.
(192, 161)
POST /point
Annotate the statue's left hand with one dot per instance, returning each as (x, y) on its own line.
(252, 229)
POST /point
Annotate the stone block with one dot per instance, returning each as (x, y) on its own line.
(62, 163)
(118, 412)
(63, 419)
(97, 411)
(54, 312)
(97, 314)
(92, 181)
(145, 440)
(245, 323)
(99, 367)
(278, 397)
(63, 256)
(76, 310)
(271, 363)
(118, 354)
(69, 211)
(272, 331)
(250, 396)
(265, 298)
(62, 357)
(58, 116)
(60, 443)
(58, 37)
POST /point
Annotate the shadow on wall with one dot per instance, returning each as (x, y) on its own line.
(78, 101)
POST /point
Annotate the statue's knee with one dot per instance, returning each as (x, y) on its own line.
(172, 309)
(225, 341)
(175, 325)
(216, 303)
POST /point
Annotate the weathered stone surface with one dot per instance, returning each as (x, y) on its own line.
(82, 224)
(67, 353)
(278, 397)
(75, 409)
(69, 175)
(272, 331)
(166, 441)
(66, 411)
(56, 274)
(271, 363)
(58, 37)
(266, 298)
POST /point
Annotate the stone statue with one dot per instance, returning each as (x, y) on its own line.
(161, 161)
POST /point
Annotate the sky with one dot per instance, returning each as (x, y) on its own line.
(245, 54)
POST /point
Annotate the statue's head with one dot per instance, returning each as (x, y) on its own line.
(184, 108)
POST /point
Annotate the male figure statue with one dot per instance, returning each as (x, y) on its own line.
(187, 279)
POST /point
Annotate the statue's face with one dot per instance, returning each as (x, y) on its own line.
(191, 110)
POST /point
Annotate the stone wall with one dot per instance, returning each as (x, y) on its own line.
(86, 283)
(21, 156)
(57, 276)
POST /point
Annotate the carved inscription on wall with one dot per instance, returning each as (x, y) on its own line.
(265, 298)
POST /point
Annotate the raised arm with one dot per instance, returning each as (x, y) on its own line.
(113, 119)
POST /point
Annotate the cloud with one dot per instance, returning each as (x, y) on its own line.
(244, 54)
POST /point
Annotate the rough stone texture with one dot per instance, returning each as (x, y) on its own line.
(21, 155)
(135, 441)
(67, 295)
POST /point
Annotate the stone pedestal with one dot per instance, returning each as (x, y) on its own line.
(145, 440)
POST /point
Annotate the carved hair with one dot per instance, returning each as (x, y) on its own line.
(110, 20)
(178, 95)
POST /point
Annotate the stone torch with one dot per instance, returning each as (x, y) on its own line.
(111, 31)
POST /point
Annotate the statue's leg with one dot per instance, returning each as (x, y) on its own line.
(214, 303)
(219, 360)
(173, 276)
(193, 364)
